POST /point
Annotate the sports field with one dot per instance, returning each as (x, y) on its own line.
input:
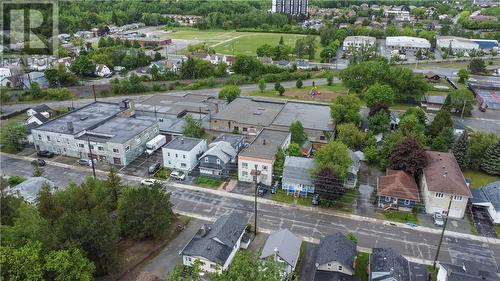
(239, 43)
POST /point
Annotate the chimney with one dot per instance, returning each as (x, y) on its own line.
(128, 108)
(70, 126)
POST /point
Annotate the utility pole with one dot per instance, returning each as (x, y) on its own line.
(93, 90)
(91, 157)
(442, 232)
(463, 108)
(255, 173)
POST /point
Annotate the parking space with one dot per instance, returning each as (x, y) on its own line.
(139, 167)
(483, 223)
(457, 225)
(307, 267)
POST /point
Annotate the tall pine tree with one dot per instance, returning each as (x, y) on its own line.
(461, 150)
(491, 160)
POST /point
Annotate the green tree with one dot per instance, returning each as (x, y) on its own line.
(193, 128)
(298, 135)
(345, 109)
(262, 85)
(306, 46)
(279, 163)
(461, 150)
(102, 42)
(281, 90)
(247, 65)
(299, 84)
(335, 156)
(479, 143)
(379, 122)
(83, 65)
(329, 78)
(69, 265)
(277, 85)
(477, 65)
(23, 263)
(443, 141)
(371, 154)
(491, 160)
(157, 56)
(408, 156)
(35, 91)
(441, 120)
(327, 54)
(410, 125)
(461, 102)
(37, 171)
(13, 135)
(463, 75)
(350, 135)
(378, 94)
(114, 184)
(229, 92)
(294, 150)
(144, 212)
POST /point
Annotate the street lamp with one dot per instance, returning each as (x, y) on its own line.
(255, 173)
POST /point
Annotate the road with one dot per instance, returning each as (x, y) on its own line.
(308, 223)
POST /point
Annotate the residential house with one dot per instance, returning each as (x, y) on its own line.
(335, 259)
(30, 188)
(36, 120)
(102, 70)
(42, 109)
(261, 154)
(468, 270)
(24, 81)
(433, 102)
(284, 247)
(303, 64)
(182, 153)
(397, 190)
(174, 62)
(432, 77)
(200, 55)
(282, 63)
(486, 200)
(215, 244)
(236, 141)
(387, 264)
(352, 172)
(218, 160)
(297, 178)
(4, 73)
(442, 181)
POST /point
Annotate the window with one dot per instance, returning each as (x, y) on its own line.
(212, 265)
(322, 138)
(176, 155)
(407, 202)
(39, 137)
(387, 199)
(127, 148)
(115, 150)
(244, 165)
(169, 162)
(206, 159)
(100, 148)
(439, 195)
(245, 129)
(168, 153)
(329, 264)
(81, 145)
(218, 161)
(183, 156)
(48, 138)
(340, 268)
(183, 165)
(244, 173)
(457, 197)
(264, 167)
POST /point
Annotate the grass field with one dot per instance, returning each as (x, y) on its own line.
(401, 216)
(281, 196)
(478, 179)
(243, 43)
(362, 261)
(328, 93)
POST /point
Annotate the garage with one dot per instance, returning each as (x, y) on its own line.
(456, 213)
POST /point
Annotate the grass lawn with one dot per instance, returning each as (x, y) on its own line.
(328, 93)
(497, 229)
(433, 271)
(478, 178)
(362, 261)
(401, 216)
(304, 201)
(162, 174)
(281, 196)
(207, 182)
(345, 202)
(300, 259)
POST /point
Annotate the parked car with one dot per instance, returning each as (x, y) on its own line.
(438, 219)
(153, 168)
(315, 199)
(45, 153)
(177, 175)
(148, 182)
(85, 162)
(261, 190)
(39, 162)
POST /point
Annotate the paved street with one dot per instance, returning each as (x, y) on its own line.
(309, 224)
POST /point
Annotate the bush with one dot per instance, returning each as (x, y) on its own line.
(204, 83)
(15, 180)
(236, 79)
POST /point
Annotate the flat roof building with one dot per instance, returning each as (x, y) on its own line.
(358, 41)
(407, 43)
(456, 43)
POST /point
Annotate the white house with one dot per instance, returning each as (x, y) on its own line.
(182, 153)
(284, 247)
(102, 70)
(487, 199)
(215, 244)
(442, 181)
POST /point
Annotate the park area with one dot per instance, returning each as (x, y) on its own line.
(237, 43)
(326, 93)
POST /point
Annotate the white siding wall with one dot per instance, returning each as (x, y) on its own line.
(440, 204)
(182, 160)
(334, 266)
(245, 167)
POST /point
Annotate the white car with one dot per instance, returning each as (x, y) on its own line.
(148, 182)
(177, 175)
(438, 219)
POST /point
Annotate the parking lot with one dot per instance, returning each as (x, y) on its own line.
(139, 167)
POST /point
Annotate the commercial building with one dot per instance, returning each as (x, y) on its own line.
(486, 43)
(182, 153)
(457, 44)
(358, 41)
(407, 43)
(291, 7)
(106, 131)
(261, 154)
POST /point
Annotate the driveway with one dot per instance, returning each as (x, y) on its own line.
(368, 184)
(169, 257)
(483, 223)
(139, 167)
(307, 267)
(457, 225)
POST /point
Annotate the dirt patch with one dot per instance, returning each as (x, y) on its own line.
(135, 253)
(303, 94)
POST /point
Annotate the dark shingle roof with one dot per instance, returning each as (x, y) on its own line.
(43, 108)
(320, 275)
(40, 117)
(469, 271)
(388, 261)
(285, 244)
(216, 241)
(488, 193)
(336, 247)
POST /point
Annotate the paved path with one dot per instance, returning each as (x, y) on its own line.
(419, 243)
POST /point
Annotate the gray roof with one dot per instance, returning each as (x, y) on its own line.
(285, 244)
(298, 170)
(233, 139)
(216, 241)
(469, 271)
(40, 117)
(42, 108)
(487, 193)
(83, 118)
(118, 130)
(222, 150)
(168, 123)
(266, 144)
(336, 247)
(183, 143)
(313, 116)
(436, 99)
(390, 262)
(180, 103)
(321, 275)
(30, 188)
(259, 112)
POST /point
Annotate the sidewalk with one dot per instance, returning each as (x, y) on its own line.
(278, 204)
